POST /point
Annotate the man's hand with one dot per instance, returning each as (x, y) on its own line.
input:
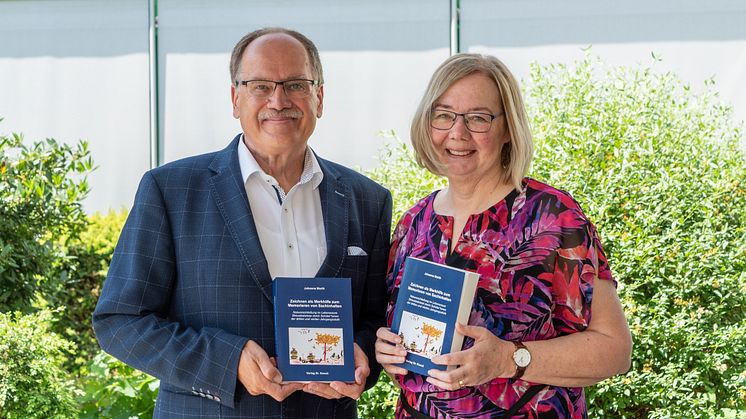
(339, 389)
(259, 375)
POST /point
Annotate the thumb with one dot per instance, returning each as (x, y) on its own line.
(471, 331)
(362, 368)
(265, 365)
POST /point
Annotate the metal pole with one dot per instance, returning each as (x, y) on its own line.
(455, 18)
(155, 134)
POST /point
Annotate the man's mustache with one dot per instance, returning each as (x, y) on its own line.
(285, 113)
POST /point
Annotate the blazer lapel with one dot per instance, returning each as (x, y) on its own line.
(334, 196)
(228, 190)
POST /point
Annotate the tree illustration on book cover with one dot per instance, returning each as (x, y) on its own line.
(421, 335)
(316, 346)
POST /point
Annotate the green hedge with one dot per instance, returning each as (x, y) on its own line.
(33, 383)
(76, 282)
(113, 389)
(41, 188)
(658, 167)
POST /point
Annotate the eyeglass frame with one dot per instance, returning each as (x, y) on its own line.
(314, 83)
(463, 115)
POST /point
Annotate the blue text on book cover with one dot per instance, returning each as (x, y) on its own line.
(313, 329)
(431, 296)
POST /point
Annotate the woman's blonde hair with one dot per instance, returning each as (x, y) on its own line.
(516, 154)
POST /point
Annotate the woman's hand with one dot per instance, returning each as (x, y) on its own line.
(488, 358)
(576, 360)
(389, 351)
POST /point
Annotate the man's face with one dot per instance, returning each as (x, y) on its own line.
(277, 124)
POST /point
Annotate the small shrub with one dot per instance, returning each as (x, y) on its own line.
(114, 390)
(379, 401)
(398, 172)
(659, 169)
(77, 283)
(33, 383)
(41, 186)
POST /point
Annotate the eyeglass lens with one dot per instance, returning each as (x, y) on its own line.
(293, 88)
(475, 122)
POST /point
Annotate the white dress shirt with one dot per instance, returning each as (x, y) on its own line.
(290, 227)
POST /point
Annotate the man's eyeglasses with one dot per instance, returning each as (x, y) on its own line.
(475, 121)
(294, 89)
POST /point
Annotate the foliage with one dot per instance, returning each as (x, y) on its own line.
(398, 172)
(379, 401)
(658, 167)
(77, 283)
(33, 383)
(41, 186)
(115, 390)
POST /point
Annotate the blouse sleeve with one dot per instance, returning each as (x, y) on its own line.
(580, 261)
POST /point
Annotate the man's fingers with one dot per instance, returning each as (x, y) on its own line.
(262, 360)
(362, 368)
(287, 389)
(352, 391)
(280, 392)
(323, 390)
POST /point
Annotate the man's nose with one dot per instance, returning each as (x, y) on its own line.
(279, 99)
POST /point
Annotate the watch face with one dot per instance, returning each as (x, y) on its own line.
(522, 357)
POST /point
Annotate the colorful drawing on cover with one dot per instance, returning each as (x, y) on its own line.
(316, 345)
(421, 335)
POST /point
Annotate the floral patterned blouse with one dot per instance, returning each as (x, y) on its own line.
(537, 255)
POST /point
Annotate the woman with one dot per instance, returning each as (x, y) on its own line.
(542, 269)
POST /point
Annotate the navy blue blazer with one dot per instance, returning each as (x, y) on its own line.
(188, 284)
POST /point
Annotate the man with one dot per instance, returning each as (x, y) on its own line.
(188, 297)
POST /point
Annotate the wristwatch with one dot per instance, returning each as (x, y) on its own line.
(521, 358)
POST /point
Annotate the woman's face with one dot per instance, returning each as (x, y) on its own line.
(470, 156)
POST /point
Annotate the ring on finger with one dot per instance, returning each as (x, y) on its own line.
(461, 383)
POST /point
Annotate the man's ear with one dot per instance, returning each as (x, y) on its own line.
(234, 100)
(320, 99)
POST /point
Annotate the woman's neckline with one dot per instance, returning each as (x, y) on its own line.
(502, 200)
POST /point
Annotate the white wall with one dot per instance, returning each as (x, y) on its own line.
(73, 69)
(377, 57)
(696, 40)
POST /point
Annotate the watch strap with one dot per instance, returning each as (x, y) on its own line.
(520, 370)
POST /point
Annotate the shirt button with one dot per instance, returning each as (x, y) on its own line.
(290, 245)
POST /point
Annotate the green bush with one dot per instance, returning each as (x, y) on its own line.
(379, 401)
(41, 186)
(658, 167)
(33, 383)
(115, 390)
(77, 283)
(398, 172)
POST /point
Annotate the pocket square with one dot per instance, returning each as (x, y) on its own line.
(355, 251)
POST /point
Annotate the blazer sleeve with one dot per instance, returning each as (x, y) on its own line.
(372, 315)
(132, 317)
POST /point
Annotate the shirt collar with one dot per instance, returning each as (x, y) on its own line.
(246, 161)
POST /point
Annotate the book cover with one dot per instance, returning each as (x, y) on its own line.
(432, 299)
(313, 329)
